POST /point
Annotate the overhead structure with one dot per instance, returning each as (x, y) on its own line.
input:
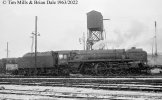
(94, 28)
(154, 54)
(155, 41)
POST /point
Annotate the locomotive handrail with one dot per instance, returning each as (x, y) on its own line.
(103, 60)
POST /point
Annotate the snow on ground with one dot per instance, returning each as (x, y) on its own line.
(25, 92)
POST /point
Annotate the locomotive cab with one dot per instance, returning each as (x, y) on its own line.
(63, 57)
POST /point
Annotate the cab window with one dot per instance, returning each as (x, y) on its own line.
(63, 56)
(60, 56)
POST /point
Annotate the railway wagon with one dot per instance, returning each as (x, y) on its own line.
(108, 62)
(48, 63)
(8, 65)
(2, 66)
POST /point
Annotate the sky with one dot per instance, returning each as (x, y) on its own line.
(61, 25)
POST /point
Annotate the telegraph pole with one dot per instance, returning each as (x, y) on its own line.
(35, 34)
(104, 28)
(155, 41)
(35, 44)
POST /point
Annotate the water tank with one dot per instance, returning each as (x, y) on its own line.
(95, 21)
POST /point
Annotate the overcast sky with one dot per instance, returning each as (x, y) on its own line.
(61, 26)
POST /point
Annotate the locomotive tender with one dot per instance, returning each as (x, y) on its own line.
(87, 62)
(8, 65)
(48, 63)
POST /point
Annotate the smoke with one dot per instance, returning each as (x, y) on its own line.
(99, 45)
(136, 35)
(159, 39)
(136, 29)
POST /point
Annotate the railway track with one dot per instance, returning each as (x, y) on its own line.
(77, 88)
(126, 84)
(85, 76)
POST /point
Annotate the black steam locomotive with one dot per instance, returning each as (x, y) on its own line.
(109, 62)
(95, 62)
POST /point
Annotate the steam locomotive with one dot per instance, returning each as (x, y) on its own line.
(109, 62)
(94, 62)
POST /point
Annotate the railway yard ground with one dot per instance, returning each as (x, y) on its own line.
(89, 88)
